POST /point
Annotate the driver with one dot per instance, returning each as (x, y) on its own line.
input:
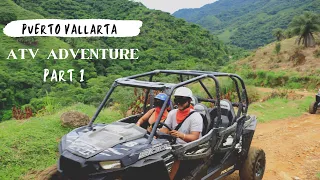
(191, 122)
(152, 115)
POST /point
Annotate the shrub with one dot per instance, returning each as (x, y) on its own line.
(278, 93)
(28, 40)
(253, 94)
(277, 48)
(7, 115)
(294, 85)
(6, 17)
(261, 74)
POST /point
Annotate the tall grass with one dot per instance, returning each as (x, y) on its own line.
(279, 108)
(32, 145)
(274, 79)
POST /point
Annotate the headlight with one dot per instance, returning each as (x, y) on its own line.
(110, 164)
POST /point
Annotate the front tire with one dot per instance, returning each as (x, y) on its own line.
(254, 166)
(313, 108)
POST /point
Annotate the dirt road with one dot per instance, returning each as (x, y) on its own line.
(292, 148)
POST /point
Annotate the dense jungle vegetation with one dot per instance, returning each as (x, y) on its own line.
(165, 42)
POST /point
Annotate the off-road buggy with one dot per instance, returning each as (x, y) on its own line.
(315, 105)
(123, 150)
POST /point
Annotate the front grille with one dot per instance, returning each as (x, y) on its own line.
(74, 170)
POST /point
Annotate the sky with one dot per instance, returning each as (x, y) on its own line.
(173, 5)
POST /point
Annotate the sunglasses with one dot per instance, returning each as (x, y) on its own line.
(158, 103)
(181, 100)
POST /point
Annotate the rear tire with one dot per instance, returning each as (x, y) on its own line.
(254, 166)
(312, 108)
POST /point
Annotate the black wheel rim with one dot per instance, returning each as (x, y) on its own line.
(259, 168)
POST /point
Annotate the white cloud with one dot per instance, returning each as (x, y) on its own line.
(174, 5)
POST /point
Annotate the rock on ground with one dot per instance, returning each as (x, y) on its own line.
(74, 119)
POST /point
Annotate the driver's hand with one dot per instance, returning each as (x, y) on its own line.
(176, 133)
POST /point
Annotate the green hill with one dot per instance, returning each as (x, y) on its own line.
(247, 23)
(165, 42)
(295, 67)
(21, 79)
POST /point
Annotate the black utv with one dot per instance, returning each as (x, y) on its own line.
(315, 104)
(124, 151)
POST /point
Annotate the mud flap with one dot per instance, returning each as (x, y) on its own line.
(247, 136)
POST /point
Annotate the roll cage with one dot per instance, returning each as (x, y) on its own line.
(197, 76)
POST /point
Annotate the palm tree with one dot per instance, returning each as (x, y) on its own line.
(278, 33)
(304, 26)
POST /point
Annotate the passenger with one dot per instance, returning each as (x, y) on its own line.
(191, 122)
(151, 116)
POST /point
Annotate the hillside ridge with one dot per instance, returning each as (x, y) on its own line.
(247, 23)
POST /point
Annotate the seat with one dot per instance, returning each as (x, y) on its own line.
(203, 110)
(194, 100)
(227, 114)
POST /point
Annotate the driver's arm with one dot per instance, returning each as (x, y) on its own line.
(195, 129)
(194, 135)
(168, 122)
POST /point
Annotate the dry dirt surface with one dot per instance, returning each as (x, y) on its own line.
(292, 148)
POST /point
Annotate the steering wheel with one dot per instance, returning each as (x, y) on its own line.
(161, 135)
(163, 124)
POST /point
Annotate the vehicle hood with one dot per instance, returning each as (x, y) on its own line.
(106, 140)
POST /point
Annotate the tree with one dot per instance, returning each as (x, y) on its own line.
(304, 26)
(277, 48)
(278, 33)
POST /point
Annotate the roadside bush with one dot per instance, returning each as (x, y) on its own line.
(261, 74)
(277, 48)
(6, 115)
(253, 94)
(278, 93)
(278, 79)
(294, 85)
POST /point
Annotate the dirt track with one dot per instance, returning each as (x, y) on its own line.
(292, 148)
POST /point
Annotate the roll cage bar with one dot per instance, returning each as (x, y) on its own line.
(170, 87)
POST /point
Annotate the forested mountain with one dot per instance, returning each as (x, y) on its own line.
(165, 42)
(247, 23)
